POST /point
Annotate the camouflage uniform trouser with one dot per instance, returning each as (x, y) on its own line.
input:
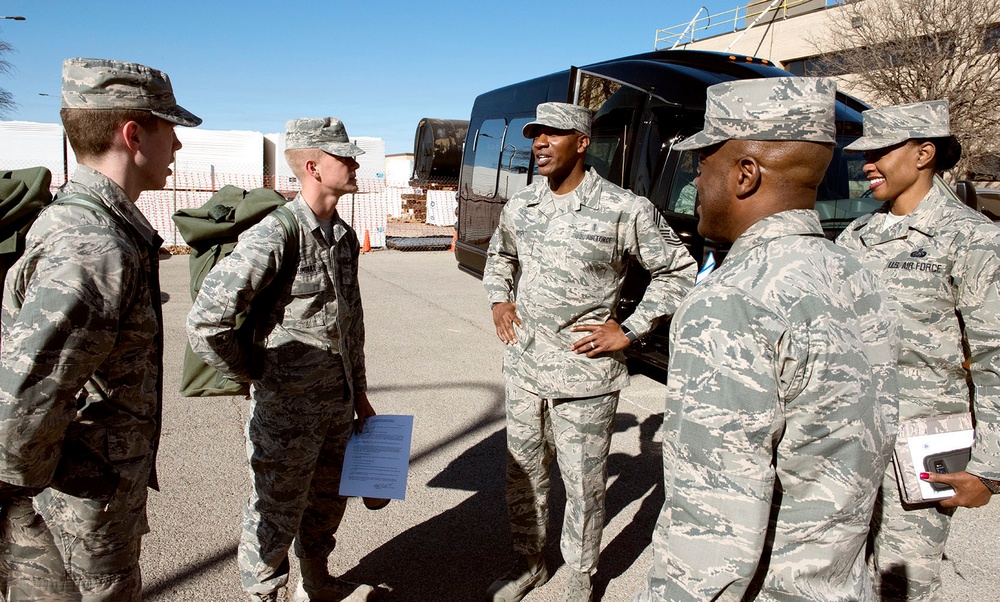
(61, 548)
(296, 437)
(908, 546)
(578, 432)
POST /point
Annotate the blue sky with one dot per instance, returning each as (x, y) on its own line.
(380, 66)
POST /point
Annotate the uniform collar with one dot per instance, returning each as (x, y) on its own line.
(94, 182)
(588, 191)
(794, 222)
(923, 219)
(311, 222)
(306, 216)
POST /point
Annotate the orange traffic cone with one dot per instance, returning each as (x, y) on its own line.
(367, 247)
(454, 237)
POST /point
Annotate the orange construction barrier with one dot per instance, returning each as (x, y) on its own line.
(367, 247)
(454, 238)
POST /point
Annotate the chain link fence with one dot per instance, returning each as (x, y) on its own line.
(384, 215)
(387, 212)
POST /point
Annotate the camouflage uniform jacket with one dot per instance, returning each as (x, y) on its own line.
(941, 268)
(82, 303)
(319, 308)
(779, 422)
(572, 266)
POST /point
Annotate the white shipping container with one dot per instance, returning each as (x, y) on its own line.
(284, 179)
(373, 161)
(441, 206)
(210, 159)
(28, 144)
(398, 169)
(371, 173)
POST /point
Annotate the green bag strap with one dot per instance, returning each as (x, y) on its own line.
(79, 200)
(85, 202)
(266, 299)
(291, 229)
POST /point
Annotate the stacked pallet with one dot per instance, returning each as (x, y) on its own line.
(414, 207)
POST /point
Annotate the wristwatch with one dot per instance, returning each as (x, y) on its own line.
(632, 337)
(993, 486)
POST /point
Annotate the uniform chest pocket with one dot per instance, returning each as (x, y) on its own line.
(588, 242)
(345, 264)
(309, 282)
(921, 282)
(528, 238)
(591, 248)
(596, 254)
(310, 295)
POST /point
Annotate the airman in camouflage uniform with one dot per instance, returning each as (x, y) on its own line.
(569, 238)
(940, 263)
(82, 347)
(313, 377)
(780, 413)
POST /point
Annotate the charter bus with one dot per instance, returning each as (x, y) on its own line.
(643, 105)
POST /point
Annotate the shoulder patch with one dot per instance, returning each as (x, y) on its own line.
(670, 237)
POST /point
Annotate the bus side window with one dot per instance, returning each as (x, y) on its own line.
(489, 141)
(683, 194)
(515, 160)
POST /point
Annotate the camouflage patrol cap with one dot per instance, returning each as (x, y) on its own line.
(560, 116)
(109, 84)
(773, 108)
(325, 133)
(889, 126)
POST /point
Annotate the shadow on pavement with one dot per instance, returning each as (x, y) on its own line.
(190, 572)
(639, 477)
(454, 556)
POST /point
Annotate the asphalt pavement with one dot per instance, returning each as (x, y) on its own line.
(431, 353)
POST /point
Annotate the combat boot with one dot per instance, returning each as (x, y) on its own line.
(528, 573)
(317, 585)
(579, 588)
(275, 596)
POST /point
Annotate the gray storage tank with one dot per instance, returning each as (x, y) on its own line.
(437, 152)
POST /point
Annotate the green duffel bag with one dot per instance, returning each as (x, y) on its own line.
(212, 232)
(23, 194)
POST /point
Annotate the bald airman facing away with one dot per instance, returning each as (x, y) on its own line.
(781, 410)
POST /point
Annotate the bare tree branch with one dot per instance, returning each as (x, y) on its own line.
(6, 98)
(901, 51)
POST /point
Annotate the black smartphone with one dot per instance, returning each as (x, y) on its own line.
(945, 462)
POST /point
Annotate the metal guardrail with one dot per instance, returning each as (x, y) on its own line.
(741, 17)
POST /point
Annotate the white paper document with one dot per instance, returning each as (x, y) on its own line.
(377, 461)
(922, 446)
